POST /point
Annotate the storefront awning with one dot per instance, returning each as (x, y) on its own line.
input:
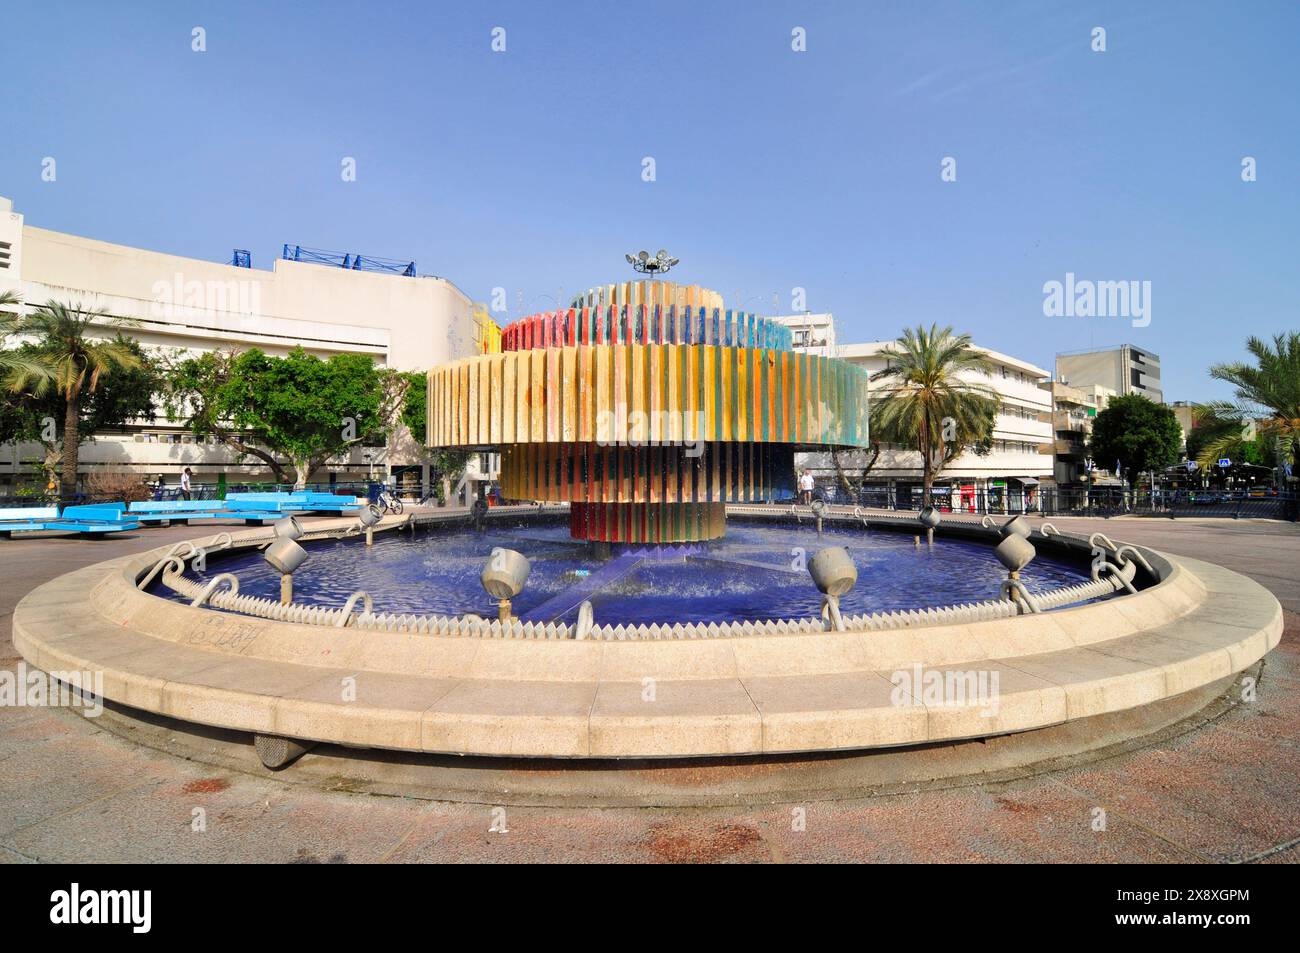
(1025, 481)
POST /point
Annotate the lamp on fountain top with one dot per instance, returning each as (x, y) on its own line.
(642, 263)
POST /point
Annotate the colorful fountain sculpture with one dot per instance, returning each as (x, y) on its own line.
(647, 407)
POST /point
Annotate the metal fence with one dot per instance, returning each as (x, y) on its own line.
(1103, 501)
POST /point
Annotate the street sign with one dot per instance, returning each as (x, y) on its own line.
(1225, 462)
(1191, 466)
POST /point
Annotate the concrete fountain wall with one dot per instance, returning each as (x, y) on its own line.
(764, 693)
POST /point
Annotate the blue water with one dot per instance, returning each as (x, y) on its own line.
(751, 574)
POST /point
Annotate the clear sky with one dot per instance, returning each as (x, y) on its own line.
(774, 169)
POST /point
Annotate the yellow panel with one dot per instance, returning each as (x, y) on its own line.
(604, 397)
(537, 396)
(636, 403)
(619, 361)
(569, 383)
(494, 419)
(553, 395)
(654, 373)
(509, 397)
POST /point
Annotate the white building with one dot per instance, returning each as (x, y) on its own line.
(813, 333)
(1008, 477)
(192, 305)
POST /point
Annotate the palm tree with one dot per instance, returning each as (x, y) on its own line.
(1267, 391)
(13, 361)
(928, 405)
(73, 362)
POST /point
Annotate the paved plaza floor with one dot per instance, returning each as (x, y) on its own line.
(1222, 792)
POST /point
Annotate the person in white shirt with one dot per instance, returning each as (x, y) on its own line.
(806, 488)
(185, 483)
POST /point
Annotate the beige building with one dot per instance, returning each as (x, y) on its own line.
(192, 306)
(1073, 411)
(1120, 370)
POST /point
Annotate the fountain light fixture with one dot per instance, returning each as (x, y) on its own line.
(285, 556)
(833, 573)
(504, 576)
(287, 528)
(658, 265)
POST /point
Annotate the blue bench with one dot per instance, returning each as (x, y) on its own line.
(285, 503)
(91, 518)
(176, 511)
(252, 512)
(27, 518)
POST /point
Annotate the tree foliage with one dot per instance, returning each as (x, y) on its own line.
(67, 358)
(299, 407)
(928, 405)
(1139, 433)
(1267, 391)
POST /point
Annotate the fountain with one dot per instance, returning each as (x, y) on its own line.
(647, 407)
(618, 618)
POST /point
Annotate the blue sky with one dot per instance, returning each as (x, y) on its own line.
(774, 169)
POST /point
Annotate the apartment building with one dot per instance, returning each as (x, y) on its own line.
(1008, 477)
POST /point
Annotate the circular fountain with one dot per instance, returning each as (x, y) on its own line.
(619, 619)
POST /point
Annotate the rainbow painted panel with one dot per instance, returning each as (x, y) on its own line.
(645, 395)
(647, 522)
(589, 473)
(640, 325)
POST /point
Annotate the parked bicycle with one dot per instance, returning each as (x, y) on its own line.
(389, 501)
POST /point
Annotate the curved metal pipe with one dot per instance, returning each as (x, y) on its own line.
(586, 621)
(350, 606)
(163, 560)
(1137, 557)
(831, 618)
(215, 581)
(1092, 541)
(1018, 587)
(1118, 573)
(1048, 526)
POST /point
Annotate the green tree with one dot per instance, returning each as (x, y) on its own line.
(293, 413)
(196, 392)
(303, 407)
(928, 405)
(1267, 391)
(124, 396)
(72, 362)
(1141, 434)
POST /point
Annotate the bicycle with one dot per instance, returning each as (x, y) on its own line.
(389, 501)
